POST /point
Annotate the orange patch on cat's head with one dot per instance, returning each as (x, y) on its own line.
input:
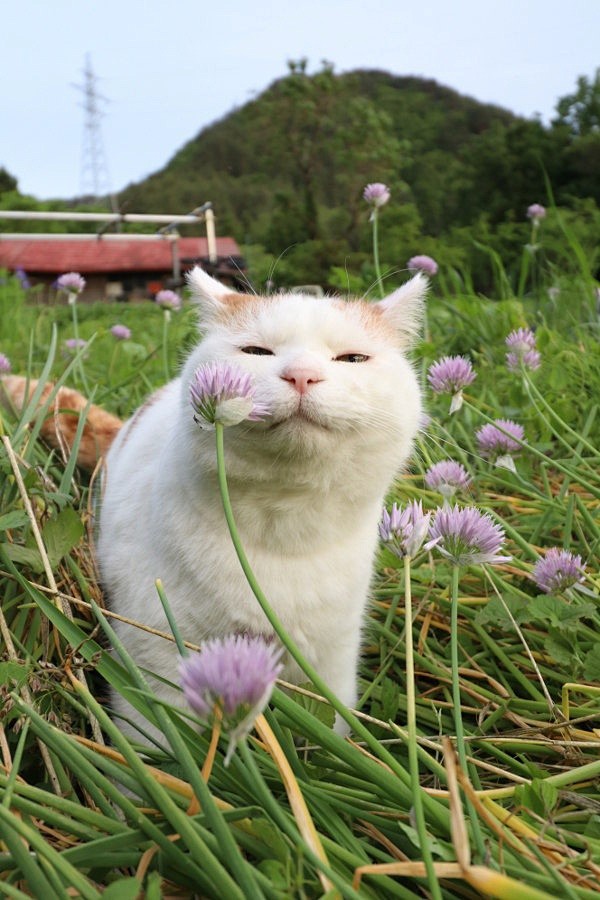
(239, 309)
(371, 316)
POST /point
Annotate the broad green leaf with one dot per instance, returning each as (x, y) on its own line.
(560, 648)
(494, 612)
(125, 889)
(555, 612)
(276, 872)
(62, 533)
(592, 829)
(13, 671)
(321, 711)
(272, 838)
(591, 664)
(539, 797)
(438, 849)
(25, 556)
(14, 519)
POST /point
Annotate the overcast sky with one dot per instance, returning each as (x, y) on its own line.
(170, 68)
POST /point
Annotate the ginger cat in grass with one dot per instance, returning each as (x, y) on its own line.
(307, 484)
(64, 406)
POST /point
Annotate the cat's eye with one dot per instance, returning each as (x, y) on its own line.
(257, 351)
(352, 357)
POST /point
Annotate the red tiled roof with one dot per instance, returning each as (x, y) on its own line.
(104, 255)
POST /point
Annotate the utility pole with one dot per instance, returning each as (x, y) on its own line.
(95, 178)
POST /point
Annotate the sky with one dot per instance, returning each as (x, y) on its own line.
(168, 69)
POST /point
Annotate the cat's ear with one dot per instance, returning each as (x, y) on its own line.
(404, 308)
(209, 294)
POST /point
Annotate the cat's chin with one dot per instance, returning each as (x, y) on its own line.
(301, 419)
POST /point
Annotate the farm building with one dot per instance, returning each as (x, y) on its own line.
(117, 267)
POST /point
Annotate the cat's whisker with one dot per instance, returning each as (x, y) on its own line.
(388, 273)
(244, 277)
(275, 261)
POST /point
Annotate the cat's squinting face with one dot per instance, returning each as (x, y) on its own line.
(326, 367)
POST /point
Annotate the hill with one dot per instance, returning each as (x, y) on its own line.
(308, 144)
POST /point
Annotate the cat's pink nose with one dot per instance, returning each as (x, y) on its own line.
(301, 377)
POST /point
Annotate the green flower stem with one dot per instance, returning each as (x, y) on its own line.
(214, 868)
(238, 865)
(11, 891)
(571, 473)
(375, 220)
(27, 851)
(562, 428)
(591, 524)
(458, 723)
(60, 811)
(411, 725)
(507, 666)
(78, 364)
(523, 545)
(111, 365)
(16, 765)
(564, 888)
(523, 272)
(436, 809)
(89, 774)
(181, 648)
(165, 343)
(273, 808)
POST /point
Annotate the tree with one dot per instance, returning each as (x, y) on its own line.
(580, 111)
(7, 181)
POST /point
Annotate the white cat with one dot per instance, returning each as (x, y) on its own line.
(307, 484)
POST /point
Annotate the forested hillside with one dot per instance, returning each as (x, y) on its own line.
(285, 173)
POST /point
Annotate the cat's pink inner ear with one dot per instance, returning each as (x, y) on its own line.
(213, 298)
(205, 287)
(403, 309)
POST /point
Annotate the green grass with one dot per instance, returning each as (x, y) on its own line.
(66, 826)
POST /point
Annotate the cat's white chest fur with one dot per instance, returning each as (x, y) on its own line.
(307, 484)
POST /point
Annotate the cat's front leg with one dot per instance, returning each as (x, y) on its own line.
(340, 675)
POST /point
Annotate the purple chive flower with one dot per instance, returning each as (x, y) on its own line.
(467, 536)
(5, 365)
(21, 276)
(520, 340)
(450, 375)
(447, 477)
(222, 393)
(404, 529)
(522, 350)
(422, 264)
(72, 345)
(499, 440)
(120, 332)
(71, 282)
(529, 360)
(535, 212)
(376, 194)
(425, 421)
(236, 674)
(558, 570)
(168, 300)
